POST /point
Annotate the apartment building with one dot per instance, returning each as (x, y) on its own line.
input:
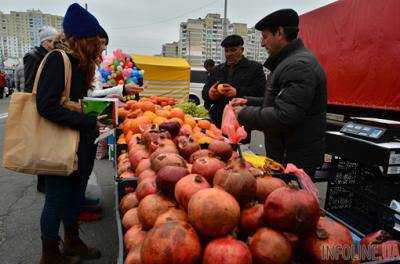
(170, 49)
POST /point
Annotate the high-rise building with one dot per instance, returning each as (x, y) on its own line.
(200, 39)
(19, 31)
(170, 49)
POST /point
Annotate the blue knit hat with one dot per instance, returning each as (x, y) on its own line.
(79, 23)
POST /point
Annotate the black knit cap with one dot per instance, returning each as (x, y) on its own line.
(103, 34)
(232, 41)
(280, 18)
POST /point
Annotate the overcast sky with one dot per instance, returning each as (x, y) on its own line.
(142, 26)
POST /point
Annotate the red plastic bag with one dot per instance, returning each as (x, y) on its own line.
(231, 127)
(303, 179)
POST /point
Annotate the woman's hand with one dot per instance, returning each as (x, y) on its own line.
(132, 88)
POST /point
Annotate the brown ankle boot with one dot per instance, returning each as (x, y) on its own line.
(51, 254)
(74, 246)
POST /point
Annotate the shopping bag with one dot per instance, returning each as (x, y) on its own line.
(303, 179)
(34, 145)
(230, 126)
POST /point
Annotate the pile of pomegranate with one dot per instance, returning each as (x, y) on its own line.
(201, 203)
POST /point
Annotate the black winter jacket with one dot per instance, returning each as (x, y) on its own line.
(292, 113)
(50, 88)
(248, 78)
(32, 61)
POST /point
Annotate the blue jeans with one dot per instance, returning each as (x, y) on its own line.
(63, 201)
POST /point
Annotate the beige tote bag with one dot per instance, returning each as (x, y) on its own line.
(37, 146)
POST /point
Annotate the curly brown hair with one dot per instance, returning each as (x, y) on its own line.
(86, 50)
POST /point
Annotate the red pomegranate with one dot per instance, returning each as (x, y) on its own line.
(146, 187)
(186, 146)
(134, 237)
(251, 219)
(173, 242)
(123, 167)
(169, 159)
(207, 167)
(130, 218)
(129, 201)
(256, 172)
(167, 177)
(172, 214)
(240, 183)
(221, 149)
(160, 143)
(270, 246)
(377, 237)
(187, 186)
(136, 156)
(292, 210)
(328, 235)
(164, 150)
(123, 156)
(213, 212)
(149, 173)
(200, 153)
(227, 250)
(133, 256)
(143, 165)
(173, 127)
(127, 175)
(151, 207)
(266, 185)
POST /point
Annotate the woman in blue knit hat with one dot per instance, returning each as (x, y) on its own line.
(82, 36)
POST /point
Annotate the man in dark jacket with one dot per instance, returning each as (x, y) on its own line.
(292, 113)
(239, 76)
(32, 61)
(33, 58)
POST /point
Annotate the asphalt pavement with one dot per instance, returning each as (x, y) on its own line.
(21, 206)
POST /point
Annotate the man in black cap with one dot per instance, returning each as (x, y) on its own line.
(292, 113)
(237, 77)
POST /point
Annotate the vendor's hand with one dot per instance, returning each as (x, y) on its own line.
(213, 92)
(229, 91)
(238, 102)
(132, 88)
(113, 96)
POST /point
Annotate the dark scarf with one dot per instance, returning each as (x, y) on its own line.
(273, 61)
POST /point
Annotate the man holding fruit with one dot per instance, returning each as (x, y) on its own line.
(237, 77)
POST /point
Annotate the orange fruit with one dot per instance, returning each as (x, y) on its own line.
(131, 104)
(220, 88)
(190, 120)
(121, 139)
(134, 124)
(196, 129)
(163, 113)
(205, 140)
(178, 113)
(167, 107)
(159, 120)
(128, 136)
(204, 124)
(146, 106)
(122, 112)
(150, 115)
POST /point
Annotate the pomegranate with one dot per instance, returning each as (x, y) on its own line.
(207, 167)
(173, 127)
(200, 153)
(256, 172)
(187, 186)
(328, 235)
(186, 146)
(151, 207)
(136, 156)
(123, 167)
(143, 165)
(149, 173)
(129, 201)
(133, 256)
(173, 242)
(270, 246)
(127, 175)
(169, 159)
(154, 145)
(227, 250)
(167, 177)
(213, 212)
(135, 143)
(266, 185)
(172, 214)
(146, 187)
(240, 183)
(291, 210)
(251, 219)
(130, 218)
(134, 237)
(221, 149)
(377, 237)
(123, 156)
(164, 150)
